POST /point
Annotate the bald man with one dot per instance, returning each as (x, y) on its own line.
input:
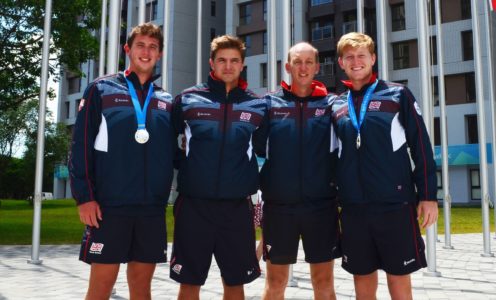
(296, 182)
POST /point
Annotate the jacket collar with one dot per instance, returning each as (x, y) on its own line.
(318, 89)
(349, 85)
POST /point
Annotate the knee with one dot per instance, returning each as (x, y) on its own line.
(276, 283)
(323, 282)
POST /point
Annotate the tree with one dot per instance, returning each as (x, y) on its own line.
(21, 39)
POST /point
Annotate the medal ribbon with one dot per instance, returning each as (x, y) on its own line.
(363, 109)
(140, 113)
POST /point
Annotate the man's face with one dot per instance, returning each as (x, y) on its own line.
(357, 63)
(227, 65)
(303, 66)
(143, 54)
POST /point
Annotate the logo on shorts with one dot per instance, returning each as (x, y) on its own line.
(268, 247)
(96, 248)
(345, 258)
(408, 261)
(249, 272)
(245, 116)
(177, 268)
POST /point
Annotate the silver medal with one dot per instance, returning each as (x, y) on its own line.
(141, 136)
(358, 141)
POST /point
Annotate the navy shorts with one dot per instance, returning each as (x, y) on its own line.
(390, 241)
(121, 239)
(318, 230)
(223, 228)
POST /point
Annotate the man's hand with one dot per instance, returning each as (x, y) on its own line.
(427, 211)
(90, 213)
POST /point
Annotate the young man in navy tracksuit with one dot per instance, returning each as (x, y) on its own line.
(376, 122)
(296, 183)
(121, 169)
(213, 213)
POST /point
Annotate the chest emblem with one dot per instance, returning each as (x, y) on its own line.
(319, 112)
(245, 116)
(375, 106)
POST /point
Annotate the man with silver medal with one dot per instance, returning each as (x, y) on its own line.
(121, 169)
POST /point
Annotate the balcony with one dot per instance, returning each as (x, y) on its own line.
(349, 27)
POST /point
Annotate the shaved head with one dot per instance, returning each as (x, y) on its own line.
(302, 47)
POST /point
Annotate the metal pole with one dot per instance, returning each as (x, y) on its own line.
(382, 44)
(490, 68)
(113, 37)
(360, 17)
(141, 11)
(444, 129)
(40, 145)
(103, 34)
(271, 45)
(426, 91)
(482, 128)
(198, 44)
(286, 36)
(165, 54)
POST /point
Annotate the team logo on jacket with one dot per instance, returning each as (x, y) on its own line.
(319, 112)
(96, 248)
(162, 105)
(177, 268)
(245, 116)
(375, 105)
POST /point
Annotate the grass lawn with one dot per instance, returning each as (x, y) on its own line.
(60, 222)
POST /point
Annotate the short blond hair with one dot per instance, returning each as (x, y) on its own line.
(301, 45)
(355, 40)
(227, 42)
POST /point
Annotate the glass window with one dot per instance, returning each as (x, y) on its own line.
(398, 17)
(440, 192)
(470, 87)
(326, 66)
(265, 9)
(472, 133)
(151, 11)
(74, 85)
(212, 33)
(322, 30)
(263, 75)
(401, 55)
(475, 188)
(467, 45)
(319, 2)
(247, 40)
(244, 14)
(265, 42)
(466, 9)
(213, 8)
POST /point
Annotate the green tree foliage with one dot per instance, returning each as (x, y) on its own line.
(16, 123)
(21, 39)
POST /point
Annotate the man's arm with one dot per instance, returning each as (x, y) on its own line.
(424, 172)
(261, 135)
(81, 164)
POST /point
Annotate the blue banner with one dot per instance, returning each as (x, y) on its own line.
(461, 155)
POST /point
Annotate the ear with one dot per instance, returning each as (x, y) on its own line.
(340, 62)
(373, 59)
(126, 48)
(211, 62)
(287, 66)
(317, 68)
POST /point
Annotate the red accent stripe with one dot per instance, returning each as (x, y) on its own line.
(86, 143)
(415, 238)
(421, 143)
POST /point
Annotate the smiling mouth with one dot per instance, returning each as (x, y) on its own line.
(357, 68)
(145, 59)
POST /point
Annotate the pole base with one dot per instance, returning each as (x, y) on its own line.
(432, 273)
(448, 247)
(292, 283)
(487, 254)
(35, 261)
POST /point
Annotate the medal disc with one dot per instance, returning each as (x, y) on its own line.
(358, 141)
(141, 136)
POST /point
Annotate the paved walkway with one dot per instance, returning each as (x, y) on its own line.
(465, 274)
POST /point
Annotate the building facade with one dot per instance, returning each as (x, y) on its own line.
(323, 22)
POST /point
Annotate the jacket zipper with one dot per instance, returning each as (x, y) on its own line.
(301, 106)
(224, 126)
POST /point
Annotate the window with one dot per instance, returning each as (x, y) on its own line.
(434, 50)
(247, 40)
(470, 87)
(398, 17)
(151, 10)
(245, 14)
(475, 187)
(440, 192)
(263, 75)
(466, 9)
(212, 33)
(213, 8)
(322, 30)
(319, 2)
(67, 109)
(401, 55)
(265, 9)
(349, 26)
(437, 131)
(467, 45)
(265, 42)
(74, 85)
(326, 66)
(472, 133)
(435, 90)
(432, 12)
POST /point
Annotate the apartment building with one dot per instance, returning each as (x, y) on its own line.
(323, 22)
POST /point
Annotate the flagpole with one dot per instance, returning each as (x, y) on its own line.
(360, 17)
(113, 37)
(382, 45)
(198, 44)
(165, 53)
(103, 34)
(271, 45)
(141, 11)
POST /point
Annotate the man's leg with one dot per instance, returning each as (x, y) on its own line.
(366, 286)
(275, 281)
(139, 279)
(322, 276)
(188, 292)
(102, 279)
(234, 292)
(400, 287)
